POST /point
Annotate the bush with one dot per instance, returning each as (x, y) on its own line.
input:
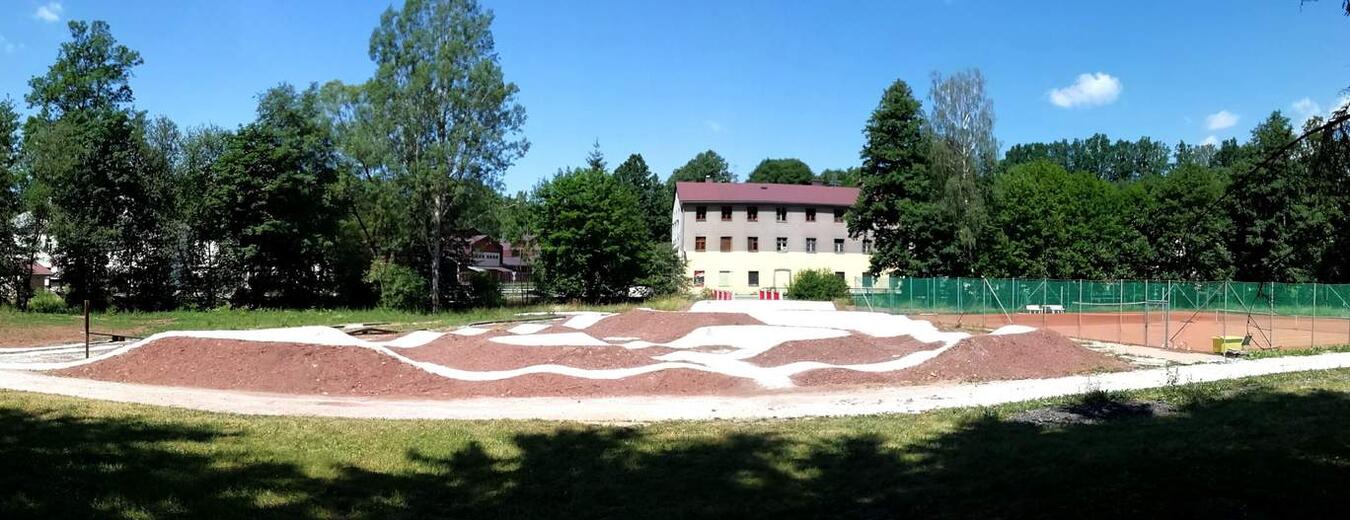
(817, 284)
(47, 303)
(398, 286)
(484, 290)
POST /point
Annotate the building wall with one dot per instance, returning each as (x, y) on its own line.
(775, 269)
(731, 269)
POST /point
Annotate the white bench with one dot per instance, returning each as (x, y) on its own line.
(1054, 309)
(1034, 309)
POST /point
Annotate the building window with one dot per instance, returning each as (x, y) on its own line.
(700, 244)
(810, 214)
(752, 214)
(726, 245)
(752, 244)
(840, 274)
(782, 214)
(782, 244)
(700, 213)
(726, 213)
(868, 281)
(724, 278)
(838, 215)
(810, 245)
(698, 278)
(839, 245)
(753, 279)
(867, 247)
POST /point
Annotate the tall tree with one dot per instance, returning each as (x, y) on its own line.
(653, 199)
(964, 154)
(706, 165)
(591, 236)
(88, 156)
(895, 207)
(782, 171)
(1183, 222)
(1278, 228)
(272, 195)
(839, 177)
(451, 119)
(16, 267)
(201, 271)
(596, 159)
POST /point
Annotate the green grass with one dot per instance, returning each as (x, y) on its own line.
(1313, 351)
(152, 322)
(1276, 446)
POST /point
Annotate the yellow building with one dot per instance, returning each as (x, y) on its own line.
(744, 237)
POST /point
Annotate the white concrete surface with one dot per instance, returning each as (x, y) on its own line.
(528, 328)
(656, 408)
(582, 320)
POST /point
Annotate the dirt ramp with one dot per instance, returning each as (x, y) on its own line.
(263, 366)
(480, 354)
(1032, 355)
(303, 369)
(848, 350)
(663, 327)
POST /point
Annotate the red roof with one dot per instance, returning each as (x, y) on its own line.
(41, 270)
(767, 193)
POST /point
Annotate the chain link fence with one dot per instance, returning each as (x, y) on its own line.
(1164, 313)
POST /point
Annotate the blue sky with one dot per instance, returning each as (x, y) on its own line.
(751, 79)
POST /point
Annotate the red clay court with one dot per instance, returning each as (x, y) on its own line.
(1187, 329)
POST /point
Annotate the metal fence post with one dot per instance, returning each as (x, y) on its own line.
(1272, 315)
(86, 329)
(1080, 308)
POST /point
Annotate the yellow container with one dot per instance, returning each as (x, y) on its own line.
(1225, 343)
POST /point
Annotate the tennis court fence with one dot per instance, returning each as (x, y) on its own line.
(1162, 313)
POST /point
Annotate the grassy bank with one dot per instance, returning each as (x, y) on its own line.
(1276, 446)
(26, 328)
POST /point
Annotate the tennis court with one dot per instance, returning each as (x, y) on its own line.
(1158, 313)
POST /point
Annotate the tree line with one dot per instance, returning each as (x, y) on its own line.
(940, 204)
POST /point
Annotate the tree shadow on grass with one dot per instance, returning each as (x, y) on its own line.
(1255, 454)
(1260, 454)
(53, 465)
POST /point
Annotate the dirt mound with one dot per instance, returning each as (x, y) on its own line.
(847, 350)
(354, 371)
(1032, 355)
(473, 353)
(663, 327)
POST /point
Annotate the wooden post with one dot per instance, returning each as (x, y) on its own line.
(1080, 308)
(86, 329)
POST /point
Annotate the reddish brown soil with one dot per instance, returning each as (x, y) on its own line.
(1038, 354)
(840, 351)
(354, 371)
(663, 327)
(477, 353)
(24, 336)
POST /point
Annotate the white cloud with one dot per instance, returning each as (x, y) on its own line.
(1221, 120)
(714, 126)
(49, 12)
(1090, 90)
(1211, 140)
(1306, 107)
(7, 46)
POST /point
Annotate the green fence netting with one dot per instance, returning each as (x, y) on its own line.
(961, 295)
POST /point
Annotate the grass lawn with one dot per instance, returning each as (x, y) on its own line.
(31, 329)
(1276, 446)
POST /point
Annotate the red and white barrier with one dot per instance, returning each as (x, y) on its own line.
(770, 294)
